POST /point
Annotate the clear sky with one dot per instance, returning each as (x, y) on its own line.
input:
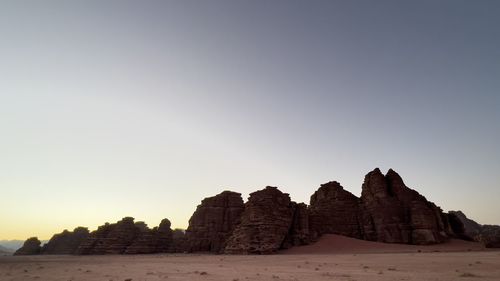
(143, 108)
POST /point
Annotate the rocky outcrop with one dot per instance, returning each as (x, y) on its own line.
(30, 247)
(471, 227)
(156, 240)
(388, 211)
(334, 210)
(127, 237)
(111, 238)
(65, 243)
(145, 241)
(164, 239)
(399, 214)
(179, 241)
(266, 223)
(213, 222)
(299, 232)
(489, 235)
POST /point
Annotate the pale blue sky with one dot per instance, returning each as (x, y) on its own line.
(142, 108)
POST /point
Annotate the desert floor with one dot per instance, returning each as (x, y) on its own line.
(365, 262)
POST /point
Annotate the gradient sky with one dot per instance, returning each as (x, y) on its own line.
(143, 108)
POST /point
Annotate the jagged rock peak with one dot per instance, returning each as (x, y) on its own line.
(400, 214)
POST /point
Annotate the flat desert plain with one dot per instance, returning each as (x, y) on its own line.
(331, 258)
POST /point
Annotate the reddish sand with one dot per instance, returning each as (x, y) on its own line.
(331, 258)
(337, 244)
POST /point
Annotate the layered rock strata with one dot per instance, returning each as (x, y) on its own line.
(213, 222)
(266, 224)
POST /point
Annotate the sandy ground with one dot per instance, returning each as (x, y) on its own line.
(428, 264)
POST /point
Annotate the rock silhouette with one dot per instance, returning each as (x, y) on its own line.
(127, 237)
(334, 210)
(30, 247)
(149, 241)
(387, 211)
(213, 222)
(65, 243)
(399, 214)
(265, 223)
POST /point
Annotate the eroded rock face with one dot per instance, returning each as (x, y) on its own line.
(127, 237)
(265, 223)
(164, 237)
(213, 222)
(179, 241)
(145, 241)
(65, 243)
(299, 232)
(110, 238)
(489, 235)
(398, 213)
(336, 211)
(30, 247)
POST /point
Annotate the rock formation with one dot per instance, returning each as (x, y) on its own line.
(299, 232)
(156, 240)
(164, 239)
(179, 241)
(30, 247)
(399, 214)
(334, 210)
(387, 211)
(112, 238)
(65, 243)
(489, 235)
(265, 223)
(127, 237)
(213, 222)
(145, 241)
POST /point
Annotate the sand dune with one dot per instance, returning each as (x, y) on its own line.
(337, 244)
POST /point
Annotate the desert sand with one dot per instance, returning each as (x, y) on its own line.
(332, 258)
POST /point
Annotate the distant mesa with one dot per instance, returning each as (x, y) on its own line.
(387, 211)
